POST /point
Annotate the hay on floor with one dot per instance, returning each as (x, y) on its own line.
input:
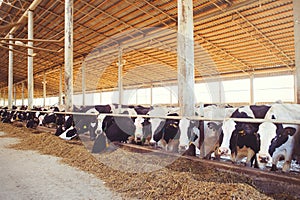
(138, 175)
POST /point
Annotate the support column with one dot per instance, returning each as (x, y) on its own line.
(252, 89)
(69, 55)
(22, 93)
(44, 89)
(30, 60)
(10, 73)
(185, 57)
(296, 12)
(60, 87)
(83, 82)
(120, 78)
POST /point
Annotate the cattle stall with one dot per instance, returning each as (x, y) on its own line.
(269, 182)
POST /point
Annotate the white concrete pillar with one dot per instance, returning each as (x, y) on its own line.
(30, 61)
(296, 12)
(10, 73)
(185, 57)
(69, 54)
(83, 82)
(44, 89)
(120, 78)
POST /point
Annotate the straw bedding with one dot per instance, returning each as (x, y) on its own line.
(138, 175)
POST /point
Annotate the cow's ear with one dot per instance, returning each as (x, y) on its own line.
(289, 131)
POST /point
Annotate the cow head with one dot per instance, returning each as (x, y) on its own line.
(281, 138)
(228, 128)
(266, 131)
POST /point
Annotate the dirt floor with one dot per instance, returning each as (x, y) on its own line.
(130, 175)
(30, 175)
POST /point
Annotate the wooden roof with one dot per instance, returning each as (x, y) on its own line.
(232, 38)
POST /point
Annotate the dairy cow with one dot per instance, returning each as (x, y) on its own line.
(89, 123)
(67, 131)
(167, 134)
(279, 141)
(203, 135)
(240, 139)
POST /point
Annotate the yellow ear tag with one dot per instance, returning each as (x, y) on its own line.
(84, 126)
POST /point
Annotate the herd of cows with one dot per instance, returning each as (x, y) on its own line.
(259, 142)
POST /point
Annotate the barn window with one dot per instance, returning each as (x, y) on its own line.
(273, 88)
(237, 91)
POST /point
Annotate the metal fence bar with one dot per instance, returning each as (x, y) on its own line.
(249, 120)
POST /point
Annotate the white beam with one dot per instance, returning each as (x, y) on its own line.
(185, 58)
(30, 60)
(10, 73)
(69, 54)
(296, 12)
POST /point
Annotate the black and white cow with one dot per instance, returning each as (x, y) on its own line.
(50, 119)
(240, 139)
(204, 135)
(30, 117)
(89, 123)
(167, 134)
(67, 131)
(279, 140)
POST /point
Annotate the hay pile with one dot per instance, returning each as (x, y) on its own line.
(173, 179)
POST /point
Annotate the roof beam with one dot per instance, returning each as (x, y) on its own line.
(29, 47)
(34, 40)
(32, 6)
